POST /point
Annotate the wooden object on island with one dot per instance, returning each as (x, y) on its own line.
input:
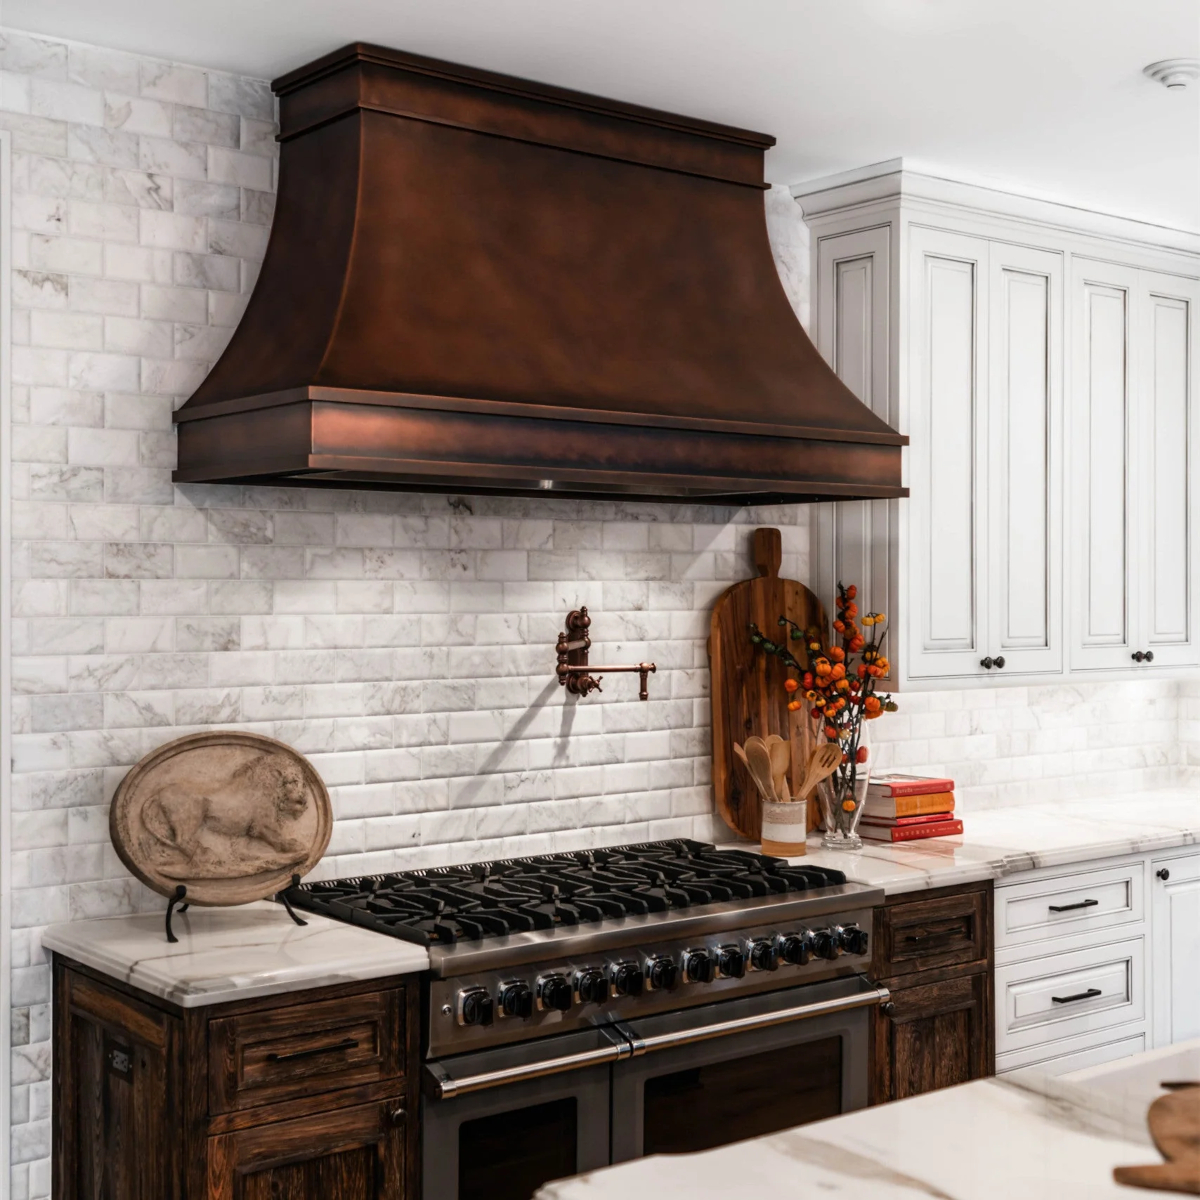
(237, 1101)
(748, 696)
(1174, 1122)
(935, 956)
(230, 816)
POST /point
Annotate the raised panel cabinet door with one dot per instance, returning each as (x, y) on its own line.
(1024, 504)
(350, 1153)
(855, 541)
(946, 590)
(1166, 435)
(1175, 948)
(1101, 463)
(931, 1036)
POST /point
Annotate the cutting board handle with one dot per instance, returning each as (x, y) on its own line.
(768, 552)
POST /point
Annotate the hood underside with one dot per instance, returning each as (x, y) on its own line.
(475, 283)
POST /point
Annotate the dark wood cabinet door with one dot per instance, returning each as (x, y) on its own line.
(351, 1154)
(932, 1036)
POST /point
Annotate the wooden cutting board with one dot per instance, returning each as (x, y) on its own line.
(1174, 1122)
(747, 685)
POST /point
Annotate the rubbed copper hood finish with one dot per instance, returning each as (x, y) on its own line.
(475, 283)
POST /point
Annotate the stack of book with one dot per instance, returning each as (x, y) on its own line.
(903, 808)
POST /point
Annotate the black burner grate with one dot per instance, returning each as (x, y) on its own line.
(481, 900)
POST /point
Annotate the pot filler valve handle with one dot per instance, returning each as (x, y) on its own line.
(574, 672)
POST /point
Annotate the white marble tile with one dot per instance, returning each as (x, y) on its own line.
(232, 953)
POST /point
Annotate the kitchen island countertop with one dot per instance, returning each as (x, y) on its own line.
(997, 843)
(1025, 1134)
(232, 953)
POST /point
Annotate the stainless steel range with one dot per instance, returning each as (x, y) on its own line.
(591, 1007)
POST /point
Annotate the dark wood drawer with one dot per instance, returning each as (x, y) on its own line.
(283, 1053)
(921, 935)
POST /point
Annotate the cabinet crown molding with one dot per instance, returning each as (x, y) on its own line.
(901, 180)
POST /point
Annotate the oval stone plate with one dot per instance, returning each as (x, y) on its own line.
(231, 816)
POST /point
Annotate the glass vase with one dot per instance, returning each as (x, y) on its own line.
(842, 797)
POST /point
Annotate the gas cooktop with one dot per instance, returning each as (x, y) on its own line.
(447, 905)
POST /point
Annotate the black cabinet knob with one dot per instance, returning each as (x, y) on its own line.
(796, 948)
(1149, 655)
(555, 992)
(731, 962)
(887, 1007)
(987, 663)
(1137, 656)
(1000, 661)
(1163, 874)
(516, 1000)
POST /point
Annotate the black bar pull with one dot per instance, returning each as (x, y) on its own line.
(1072, 907)
(1078, 996)
(344, 1044)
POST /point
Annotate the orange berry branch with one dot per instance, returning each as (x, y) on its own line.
(838, 681)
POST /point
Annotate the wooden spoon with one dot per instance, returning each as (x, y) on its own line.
(825, 760)
(756, 758)
(781, 758)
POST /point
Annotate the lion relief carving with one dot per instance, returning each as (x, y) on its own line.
(245, 825)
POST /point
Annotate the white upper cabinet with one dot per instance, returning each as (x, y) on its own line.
(1133, 447)
(1046, 378)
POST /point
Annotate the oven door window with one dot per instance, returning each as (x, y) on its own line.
(697, 1108)
(509, 1155)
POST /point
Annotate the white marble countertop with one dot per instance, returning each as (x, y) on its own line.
(996, 843)
(1025, 1135)
(232, 953)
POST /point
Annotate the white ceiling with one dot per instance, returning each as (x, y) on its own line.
(1044, 96)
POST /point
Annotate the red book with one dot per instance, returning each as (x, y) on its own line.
(918, 819)
(910, 833)
(907, 785)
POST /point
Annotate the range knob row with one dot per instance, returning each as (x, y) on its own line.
(559, 992)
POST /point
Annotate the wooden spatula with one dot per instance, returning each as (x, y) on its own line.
(756, 758)
(825, 760)
(1174, 1122)
(781, 758)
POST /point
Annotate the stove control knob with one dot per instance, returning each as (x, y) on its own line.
(796, 948)
(854, 940)
(661, 972)
(516, 1000)
(827, 943)
(731, 962)
(698, 966)
(590, 986)
(554, 992)
(474, 1006)
(764, 954)
(627, 979)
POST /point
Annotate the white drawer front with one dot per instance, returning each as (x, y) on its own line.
(1070, 905)
(1079, 1054)
(1065, 995)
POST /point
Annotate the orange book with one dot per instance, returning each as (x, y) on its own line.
(891, 807)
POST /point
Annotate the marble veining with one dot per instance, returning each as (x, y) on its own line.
(232, 953)
(998, 843)
(1027, 1135)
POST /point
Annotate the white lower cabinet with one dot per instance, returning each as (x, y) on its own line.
(1175, 942)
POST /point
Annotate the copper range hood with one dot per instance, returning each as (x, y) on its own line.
(475, 283)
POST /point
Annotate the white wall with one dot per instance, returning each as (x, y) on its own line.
(406, 643)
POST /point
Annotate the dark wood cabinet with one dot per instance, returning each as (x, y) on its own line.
(302, 1096)
(935, 955)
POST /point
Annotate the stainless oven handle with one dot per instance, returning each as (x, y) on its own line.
(444, 1086)
(817, 1008)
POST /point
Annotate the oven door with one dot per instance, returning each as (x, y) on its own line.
(705, 1077)
(497, 1124)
